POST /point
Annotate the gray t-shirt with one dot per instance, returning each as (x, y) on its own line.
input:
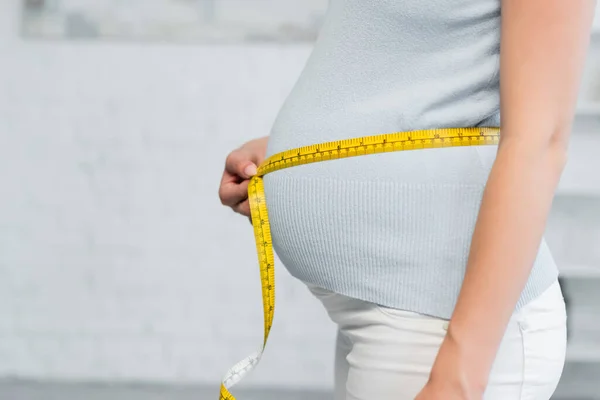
(391, 228)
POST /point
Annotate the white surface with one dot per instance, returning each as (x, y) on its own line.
(584, 353)
(580, 271)
(579, 176)
(178, 20)
(116, 259)
(589, 109)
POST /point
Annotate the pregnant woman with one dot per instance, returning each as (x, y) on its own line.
(431, 262)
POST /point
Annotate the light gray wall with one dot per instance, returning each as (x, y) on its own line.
(116, 259)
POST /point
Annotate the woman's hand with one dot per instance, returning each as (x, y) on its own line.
(444, 391)
(452, 376)
(240, 166)
(439, 391)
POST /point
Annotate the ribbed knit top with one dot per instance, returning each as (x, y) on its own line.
(392, 228)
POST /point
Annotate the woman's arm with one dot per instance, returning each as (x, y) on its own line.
(543, 48)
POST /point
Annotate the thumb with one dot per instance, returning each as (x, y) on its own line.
(249, 170)
(239, 164)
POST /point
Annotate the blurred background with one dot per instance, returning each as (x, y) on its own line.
(121, 275)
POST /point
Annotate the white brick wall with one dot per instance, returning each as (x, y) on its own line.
(116, 259)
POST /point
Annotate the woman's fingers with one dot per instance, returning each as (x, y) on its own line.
(234, 184)
(233, 193)
(242, 208)
(240, 166)
(239, 163)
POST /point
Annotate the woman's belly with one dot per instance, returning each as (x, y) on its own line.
(389, 214)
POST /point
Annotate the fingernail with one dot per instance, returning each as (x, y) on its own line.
(250, 170)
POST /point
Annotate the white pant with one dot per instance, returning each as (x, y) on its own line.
(387, 354)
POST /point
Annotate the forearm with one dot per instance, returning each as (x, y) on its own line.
(507, 235)
(542, 52)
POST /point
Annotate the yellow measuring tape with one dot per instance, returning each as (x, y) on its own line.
(424, 139)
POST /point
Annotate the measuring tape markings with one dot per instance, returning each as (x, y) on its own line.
(432, 138)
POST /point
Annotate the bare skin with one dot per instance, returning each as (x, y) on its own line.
(240, 166)
(543, 48)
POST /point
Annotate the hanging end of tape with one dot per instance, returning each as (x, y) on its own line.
(241, 369)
